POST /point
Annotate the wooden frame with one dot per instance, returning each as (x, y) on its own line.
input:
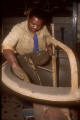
(46, 94)
(72, 61)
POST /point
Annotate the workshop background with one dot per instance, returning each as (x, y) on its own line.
(65, 15)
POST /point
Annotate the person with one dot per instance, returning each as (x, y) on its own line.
(20, 39)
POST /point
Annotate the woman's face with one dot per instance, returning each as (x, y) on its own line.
(35, 24)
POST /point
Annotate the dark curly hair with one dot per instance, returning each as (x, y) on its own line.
(39, 13)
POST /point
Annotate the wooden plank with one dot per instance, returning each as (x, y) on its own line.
(54, 72)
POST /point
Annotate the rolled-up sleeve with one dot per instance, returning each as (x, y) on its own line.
(12, 38)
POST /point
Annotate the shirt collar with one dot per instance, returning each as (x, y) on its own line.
(27, 29)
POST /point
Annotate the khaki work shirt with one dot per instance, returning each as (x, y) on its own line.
(21, 39)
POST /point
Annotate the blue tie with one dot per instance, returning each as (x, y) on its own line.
(35, 42)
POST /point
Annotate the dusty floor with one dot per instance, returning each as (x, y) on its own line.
(12, 108)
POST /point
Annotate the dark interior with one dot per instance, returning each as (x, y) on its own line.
(17, 7)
